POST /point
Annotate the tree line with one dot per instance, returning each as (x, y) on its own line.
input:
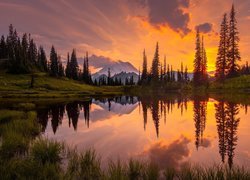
(228, 56)
(161, 73)
(23, 56)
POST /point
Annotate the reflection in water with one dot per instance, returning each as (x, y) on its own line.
(227, 124)
(226, 118)
(200, 113)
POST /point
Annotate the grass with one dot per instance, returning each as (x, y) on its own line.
(241, 83)
(16, 86)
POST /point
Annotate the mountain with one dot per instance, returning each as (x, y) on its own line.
(121, 75)
(128, 75)
(99, 65)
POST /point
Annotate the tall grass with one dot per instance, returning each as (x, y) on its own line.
(24, 156)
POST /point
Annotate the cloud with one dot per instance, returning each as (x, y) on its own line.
(205, 27)
(172, 155)
(170, 13)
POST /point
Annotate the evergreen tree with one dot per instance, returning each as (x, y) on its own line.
(182, 73)
(32, 53)
(168, 74)
(198, 60)
(186, 74)
(3, 48)
(144, 68)
(222, 55)
(204, 75)
(60, 67)
(233, 51)
(68, 70)
(165, 68)
(74, 65)
(109, 77)
(42, 59)
(53, 62)
(155, 65)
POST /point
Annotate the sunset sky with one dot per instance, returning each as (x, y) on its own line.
(121, 29)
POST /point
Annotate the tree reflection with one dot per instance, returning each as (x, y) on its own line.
(159, 108)
(200, 113)
(227, 124)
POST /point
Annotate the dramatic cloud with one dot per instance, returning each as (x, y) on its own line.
(172, 155)
(171, 13)
(205, 27)
(121, 29)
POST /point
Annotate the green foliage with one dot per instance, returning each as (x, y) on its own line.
(84, 166)
(45, 86)
(46, 151)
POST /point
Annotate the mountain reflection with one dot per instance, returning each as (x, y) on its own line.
(158, 108)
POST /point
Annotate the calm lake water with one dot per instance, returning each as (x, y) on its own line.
(168, 131)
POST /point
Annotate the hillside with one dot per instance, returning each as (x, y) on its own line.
(46, 86)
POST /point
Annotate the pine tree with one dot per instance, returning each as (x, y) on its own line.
(68, 70)
(182, 72)
(32, 53)
(222, 55)
(204, 75)
(144, 68)
(74, 65)
(168, 74)
(186, 74)
(155, 65)
(233, 51)
(53, 62)
(42, 60)
(198, 60)
(109, 77)
(3, 48)
(60, 67)
(165, 68)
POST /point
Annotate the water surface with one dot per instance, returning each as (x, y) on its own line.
(168, 131)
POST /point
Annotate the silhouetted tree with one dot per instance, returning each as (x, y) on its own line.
(144, 75)
(68, 70)
(53, 62)
(74, 65)
(42, 60)
(60, 67)
(155, 65)
(233, 50)
(222, 55)
(197, 60)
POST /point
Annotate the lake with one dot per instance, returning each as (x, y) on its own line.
(170, 131)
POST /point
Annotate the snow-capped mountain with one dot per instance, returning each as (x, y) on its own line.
(99, 65)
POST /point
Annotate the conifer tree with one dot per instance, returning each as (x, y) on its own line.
(144, 68)
(198, 60)
(53, 62)
(74, 65)
(233, 51)
(42, 60)
(186, 74)
(3, 48)
(68, 70)
(60, 67)
(204, 76)
(168, 74)
(155, 65)
(222, 55)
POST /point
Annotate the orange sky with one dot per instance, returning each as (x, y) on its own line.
(121, 29)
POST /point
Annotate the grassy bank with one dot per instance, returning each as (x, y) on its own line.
(24, 154)
(16, 86)
(238, 84)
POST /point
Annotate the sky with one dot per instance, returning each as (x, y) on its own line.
(121, 29)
